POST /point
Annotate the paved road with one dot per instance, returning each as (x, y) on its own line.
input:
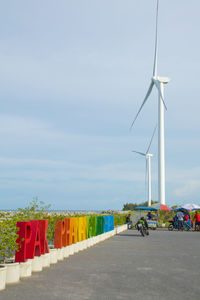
(165, 265)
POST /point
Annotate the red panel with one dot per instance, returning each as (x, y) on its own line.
(33, 248)
(43, 226)
(24, 237)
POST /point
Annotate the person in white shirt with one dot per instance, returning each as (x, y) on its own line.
(180, 216)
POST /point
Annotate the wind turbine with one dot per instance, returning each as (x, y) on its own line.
(148, 167)
(159, 84)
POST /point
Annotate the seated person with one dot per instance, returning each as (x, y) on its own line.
(128, 221)
(149, 216)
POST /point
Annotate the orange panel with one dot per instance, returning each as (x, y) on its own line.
(68, 231)
(59, 239)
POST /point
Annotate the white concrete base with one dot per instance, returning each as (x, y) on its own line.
(13, 272)
(121, 228)
(113, 232)
(107, 235)
(98, 238)
(66, 252)
(37, 264)
(53, 256)
(77, 247)
(71, 249)
(3, 270)
(89, 242)
(46, 260)
(80, 246)
(60, 254)
(26, 269)
(83, 245)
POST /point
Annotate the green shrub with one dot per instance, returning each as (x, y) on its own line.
(8, 236)
(119, 219)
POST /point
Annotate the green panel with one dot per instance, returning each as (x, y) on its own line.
(89, 218)
(99, 229)
(92, 225)
(86, 229)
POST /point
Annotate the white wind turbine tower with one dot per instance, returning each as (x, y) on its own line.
(159, 84)
(148, 156)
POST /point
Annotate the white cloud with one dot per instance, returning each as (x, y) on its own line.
(48, 170)
(188, 189)
(182, 175)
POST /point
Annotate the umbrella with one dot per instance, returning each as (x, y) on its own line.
(160, 206)
(180, 209)
(145, 208)
(191, 206)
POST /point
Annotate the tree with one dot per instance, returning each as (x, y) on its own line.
(132, 206)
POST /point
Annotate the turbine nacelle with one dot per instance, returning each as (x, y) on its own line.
(149, 155)
(155, 80)
(160, 79)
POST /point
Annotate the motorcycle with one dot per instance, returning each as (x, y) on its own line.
(142, 229)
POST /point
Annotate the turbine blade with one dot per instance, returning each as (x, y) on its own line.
(156, 44)
(159, 91)
(145, 99)
(139, 153)
(151, 139)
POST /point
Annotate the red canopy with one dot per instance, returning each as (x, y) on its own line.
(160, 206)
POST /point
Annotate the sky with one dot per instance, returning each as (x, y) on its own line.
(73, 75)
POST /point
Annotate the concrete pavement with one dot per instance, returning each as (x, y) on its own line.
(164, 265)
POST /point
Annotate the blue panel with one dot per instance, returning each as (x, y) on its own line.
(111, 222)
(106, 223)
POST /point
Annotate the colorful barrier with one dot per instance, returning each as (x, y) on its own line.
(32, 238)
(71, 235)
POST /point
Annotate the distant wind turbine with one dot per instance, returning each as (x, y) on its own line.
(159, 84)
(148, 167)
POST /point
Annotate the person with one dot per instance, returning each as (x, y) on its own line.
(180, 216)
(128, 221)
(197, 220)
(186, 217)
(175, 219)
(149, 216)
(191, 220)
(187, 221)
(143, 221)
